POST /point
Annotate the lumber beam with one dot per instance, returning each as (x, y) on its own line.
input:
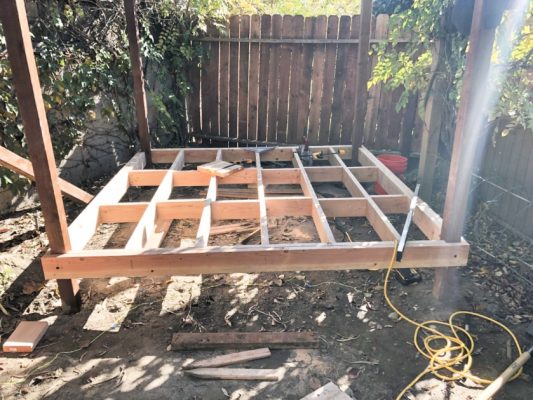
(374, 214)
(33, 114)
(319, 218)
(23, 167)
(239, 340)
(238, 154)
(84, 226)
(202, 236)
(429, 222)
(141, 107)
(230, 359)
(263, 219)
(150, 230)
(250, 259)
(240, 374)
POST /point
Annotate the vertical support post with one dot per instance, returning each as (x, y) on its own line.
(361, 91)
(32, 111)
(434, 110)
(141, 108)
(468, 135)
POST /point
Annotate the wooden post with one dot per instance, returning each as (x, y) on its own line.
(32, 111)
(361, 91)
(474, 93)
(141, 108)
(434, 109)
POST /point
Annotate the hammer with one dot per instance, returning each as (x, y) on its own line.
(495, 386)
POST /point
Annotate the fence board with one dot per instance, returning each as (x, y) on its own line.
(273, 84)
(244, 49)
(233, 110)
(349, 88)
(329, 78)
(253, 77)
(223, 84)
(285, 54)
(195, 124)
(296, 77)
(340, 76)
(317, 80)
(305, 84)
(210, 86)
(264, 54)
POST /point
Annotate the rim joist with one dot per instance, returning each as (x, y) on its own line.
(142, 255)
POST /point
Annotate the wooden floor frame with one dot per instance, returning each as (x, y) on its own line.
(143, 256)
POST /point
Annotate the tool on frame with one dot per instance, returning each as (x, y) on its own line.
(407, 276)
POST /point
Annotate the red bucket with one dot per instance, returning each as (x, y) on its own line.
(394, 162)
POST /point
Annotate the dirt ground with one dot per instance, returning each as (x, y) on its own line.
(117, 346)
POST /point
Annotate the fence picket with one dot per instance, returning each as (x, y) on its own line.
(223, 84)
(233, 110)
(244, 49)
(253, 77)
(317, 82)
(264, 54)
(296, 77)
(273, 84)
(285, 54)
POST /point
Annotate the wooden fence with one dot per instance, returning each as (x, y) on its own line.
(275, 78)
(505, 181)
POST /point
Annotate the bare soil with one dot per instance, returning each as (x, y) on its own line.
(123, 352)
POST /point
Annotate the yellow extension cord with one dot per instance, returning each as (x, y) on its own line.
(451, 360)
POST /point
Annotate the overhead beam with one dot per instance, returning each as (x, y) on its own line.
(141, 107)
(23, 167)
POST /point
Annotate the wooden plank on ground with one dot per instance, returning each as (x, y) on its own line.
(230, 359)
(23, 167)
(327, 392)
(317, 81)
(241, 374)
(238, 340)
(25, 337)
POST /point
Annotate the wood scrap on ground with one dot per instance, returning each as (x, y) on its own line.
(230, 359)
(232, 228)
(237, 340)
(327, 392)
(247, 374)
(219, 168)
(25, 337)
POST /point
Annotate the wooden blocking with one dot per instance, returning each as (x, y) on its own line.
(25, 337)
(236, 340)
(219, 168)
(243, 374)
(230, 359)
(327, 392)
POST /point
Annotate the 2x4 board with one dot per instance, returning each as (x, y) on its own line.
(143, 256)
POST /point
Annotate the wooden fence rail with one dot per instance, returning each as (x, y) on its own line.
(274, 78)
